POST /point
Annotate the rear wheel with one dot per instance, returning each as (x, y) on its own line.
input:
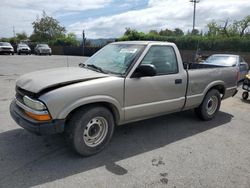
(209, 106)
(89, 130)
(245, 95)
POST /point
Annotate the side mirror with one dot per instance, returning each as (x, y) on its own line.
(144, 70)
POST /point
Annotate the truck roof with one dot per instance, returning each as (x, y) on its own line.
(143, 42)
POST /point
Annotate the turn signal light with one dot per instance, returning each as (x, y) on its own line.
(43, 117)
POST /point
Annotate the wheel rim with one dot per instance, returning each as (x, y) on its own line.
(212, 105)
(95, 131)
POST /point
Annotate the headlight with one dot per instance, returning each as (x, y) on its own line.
(34, 104)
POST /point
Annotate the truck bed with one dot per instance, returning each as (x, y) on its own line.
(200, 66)
(201, 77)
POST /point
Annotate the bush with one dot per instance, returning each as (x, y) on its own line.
(192, 42)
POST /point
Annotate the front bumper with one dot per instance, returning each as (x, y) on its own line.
(2, 51)
(37, 127)
(24, 51)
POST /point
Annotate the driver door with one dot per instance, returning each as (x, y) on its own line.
(160, 94)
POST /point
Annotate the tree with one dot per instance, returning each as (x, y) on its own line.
(47, 28)
(153, 32)
(195, 32)
(178, 32)
(244, 24)
(21, 36)
(166, 32)
(67, 40)
(213, 29)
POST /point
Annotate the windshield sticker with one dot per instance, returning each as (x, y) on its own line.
(125, 50)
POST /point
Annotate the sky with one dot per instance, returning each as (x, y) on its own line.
(109, 18)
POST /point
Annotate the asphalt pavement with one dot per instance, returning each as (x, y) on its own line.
(176, 150)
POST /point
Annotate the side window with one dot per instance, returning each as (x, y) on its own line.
(163, 58)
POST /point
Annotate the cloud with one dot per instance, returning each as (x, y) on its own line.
(21, 13)
(156, 14)
(161, 14)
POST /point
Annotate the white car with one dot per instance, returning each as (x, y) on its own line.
(6, 48)
(23, 49)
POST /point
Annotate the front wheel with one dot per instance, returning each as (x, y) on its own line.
(89, 130)
(209, 106)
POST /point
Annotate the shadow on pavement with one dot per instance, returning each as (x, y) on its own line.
(27, 160)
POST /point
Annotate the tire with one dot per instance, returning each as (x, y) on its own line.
(245, 95)
(89, 130)
(209, 106)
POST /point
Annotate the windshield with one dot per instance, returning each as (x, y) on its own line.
(5, 44)
(22, 45)
(222, 60)
(115, 58)
(43, 45)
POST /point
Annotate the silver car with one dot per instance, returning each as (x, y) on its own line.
(43, 49)
(23, 49)
(6, 48)
(230, 60)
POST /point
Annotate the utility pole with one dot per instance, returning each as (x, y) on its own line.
(14, 32)
(194, 1)
(83, 42)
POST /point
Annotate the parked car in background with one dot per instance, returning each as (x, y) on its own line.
(6, 48)
(23, 49)
(229, 60)
(43, 49)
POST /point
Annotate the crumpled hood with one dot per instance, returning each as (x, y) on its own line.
(40, 80)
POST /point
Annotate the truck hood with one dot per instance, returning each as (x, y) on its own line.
(37, 81)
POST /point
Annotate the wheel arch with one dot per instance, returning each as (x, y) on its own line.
(112, 108)
(220, 86)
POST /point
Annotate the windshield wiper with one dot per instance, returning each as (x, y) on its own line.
(95, 67)
(92, 66)
(99, 69)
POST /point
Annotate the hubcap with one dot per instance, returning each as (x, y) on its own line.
(95, 131)
(212, 105)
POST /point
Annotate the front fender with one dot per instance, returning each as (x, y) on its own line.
(90, 100)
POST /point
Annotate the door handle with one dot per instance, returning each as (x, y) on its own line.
(178, 81)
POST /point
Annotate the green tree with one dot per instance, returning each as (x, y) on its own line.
(213, 29)
(153, 32)
(47, 28)
(195, 32)
(244, 24)
(166, 32)
(21, 36)
(67, 40)
(178, 32)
